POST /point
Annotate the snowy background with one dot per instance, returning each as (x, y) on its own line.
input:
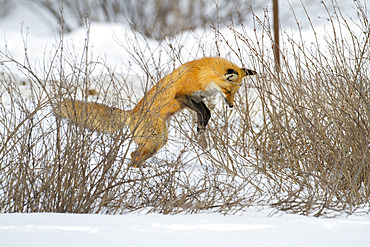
(253, 227)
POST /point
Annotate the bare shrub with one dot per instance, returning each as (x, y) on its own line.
(47, 165)
(298, 139)
(313, 136)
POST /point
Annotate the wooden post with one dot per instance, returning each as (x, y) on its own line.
(276, 35)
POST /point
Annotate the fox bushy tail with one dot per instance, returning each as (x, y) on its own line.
(94, 116)
(149, 131)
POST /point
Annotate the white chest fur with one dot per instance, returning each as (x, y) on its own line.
(209, 90)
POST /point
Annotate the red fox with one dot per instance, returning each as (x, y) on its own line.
(185, 87)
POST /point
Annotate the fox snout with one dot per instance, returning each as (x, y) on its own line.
(229, 101)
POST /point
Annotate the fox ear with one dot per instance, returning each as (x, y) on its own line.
(231, 75)
(249, 72)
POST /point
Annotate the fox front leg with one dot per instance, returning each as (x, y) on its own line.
(203, 113)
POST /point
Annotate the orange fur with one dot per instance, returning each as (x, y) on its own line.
(186, 86)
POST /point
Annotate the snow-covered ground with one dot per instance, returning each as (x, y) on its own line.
(252, 228)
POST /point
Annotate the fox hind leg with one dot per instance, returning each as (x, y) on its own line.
(148, 146)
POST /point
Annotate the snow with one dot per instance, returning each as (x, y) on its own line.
(252, 228)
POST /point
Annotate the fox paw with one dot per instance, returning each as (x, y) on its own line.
(202, 140)
(134, 164)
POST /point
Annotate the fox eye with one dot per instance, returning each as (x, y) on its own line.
(231, 75)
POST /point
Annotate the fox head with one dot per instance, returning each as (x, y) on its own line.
(224, 77)
(210, 76)
(233, 78)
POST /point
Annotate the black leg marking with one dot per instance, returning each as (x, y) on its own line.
(203, 113)
(203, 116)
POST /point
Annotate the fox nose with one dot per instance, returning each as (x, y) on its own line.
(230, 104)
